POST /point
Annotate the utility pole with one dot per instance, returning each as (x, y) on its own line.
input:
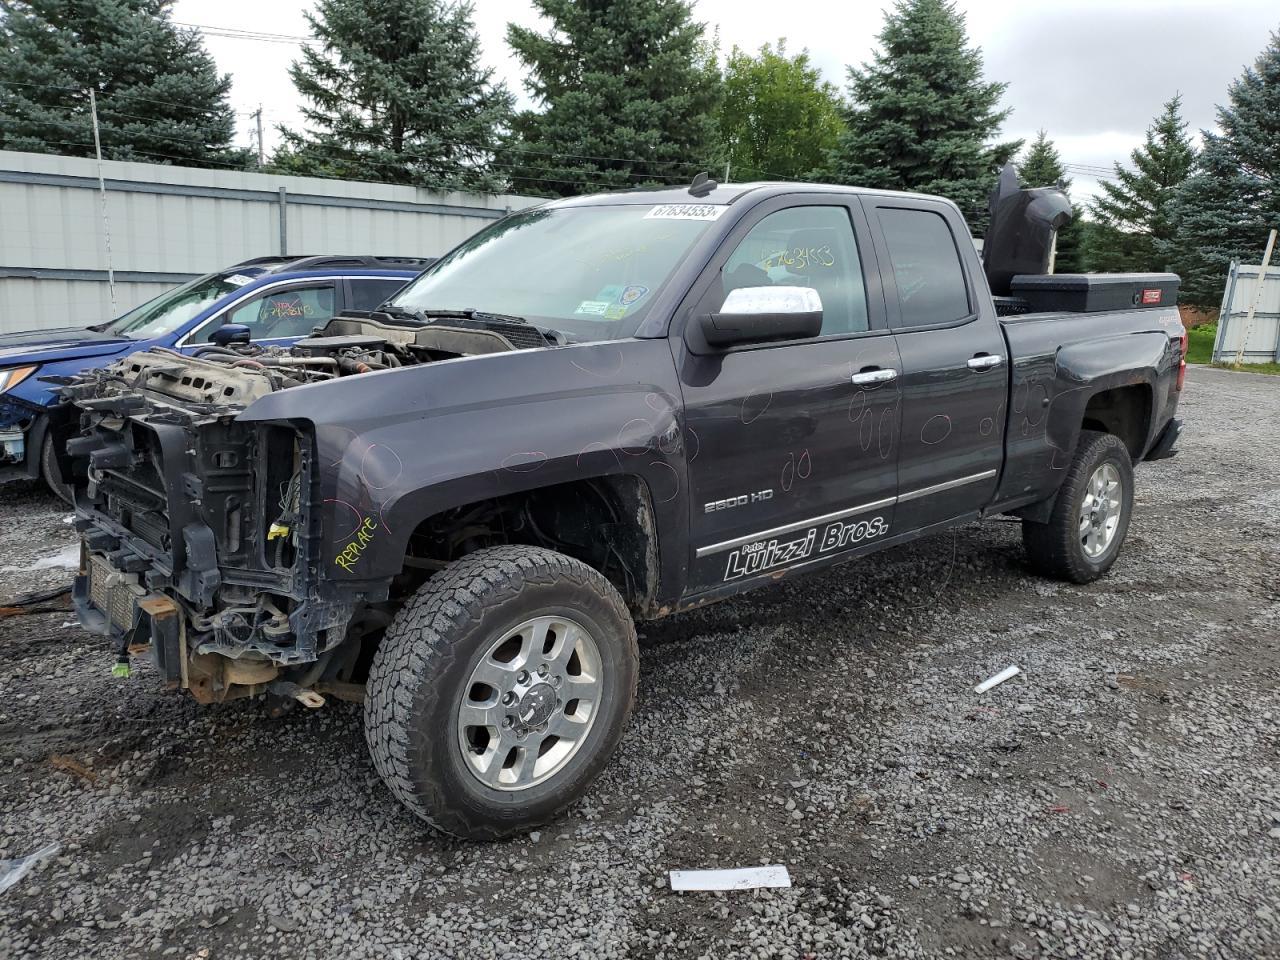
(257, 114)
(726, 171)
(102, 189)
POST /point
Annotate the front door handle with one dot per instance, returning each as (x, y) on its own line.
(875, 375)
(985, 361)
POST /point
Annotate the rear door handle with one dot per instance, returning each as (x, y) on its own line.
(985, 361)
(877, 375)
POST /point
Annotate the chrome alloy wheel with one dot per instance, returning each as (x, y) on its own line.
(1100, 511)
(530, 703)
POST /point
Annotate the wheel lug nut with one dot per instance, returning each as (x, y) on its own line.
(508, 698)
(555, 681)
(542, 670)
(506, 723)
(522, 676)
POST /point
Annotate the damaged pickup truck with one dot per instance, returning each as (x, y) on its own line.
(605, 409)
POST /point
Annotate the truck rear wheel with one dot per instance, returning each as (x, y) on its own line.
(501, 690)
(1090, 514)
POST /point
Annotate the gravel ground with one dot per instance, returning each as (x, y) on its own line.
(1120, 799)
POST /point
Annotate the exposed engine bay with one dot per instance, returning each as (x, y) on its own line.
(200, 529)
(237, 374)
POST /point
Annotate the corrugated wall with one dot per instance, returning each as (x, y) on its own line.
(168, 224)
(1261, 337)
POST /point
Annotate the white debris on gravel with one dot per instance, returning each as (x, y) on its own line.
(1008, 673)
(735, 878)
(1121, 801)
(11, 871)
(68, 558)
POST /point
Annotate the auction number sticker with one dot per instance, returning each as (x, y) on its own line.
(686, 211)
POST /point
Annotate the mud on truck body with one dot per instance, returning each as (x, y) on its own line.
(601, 410)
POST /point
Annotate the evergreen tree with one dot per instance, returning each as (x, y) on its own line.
(396, 93)
(160, 96)
(1134, 227)
(921, 116)
(1224, 211)
(778, 118)
(627, 93)
(1043, 168)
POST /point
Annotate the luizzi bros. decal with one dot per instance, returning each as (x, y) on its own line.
(761, 555)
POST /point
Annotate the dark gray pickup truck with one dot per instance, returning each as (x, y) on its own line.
(604, 409)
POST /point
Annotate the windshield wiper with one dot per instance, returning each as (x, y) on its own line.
(471, 313)
(399, 313)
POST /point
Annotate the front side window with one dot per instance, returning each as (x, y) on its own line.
(280, 314)
(169, 311)
(926, 267)
(807, 246)
(590, 272)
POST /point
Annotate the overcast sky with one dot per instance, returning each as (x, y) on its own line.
(1092, 73)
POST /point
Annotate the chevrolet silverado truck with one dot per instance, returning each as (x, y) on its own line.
(606, 409)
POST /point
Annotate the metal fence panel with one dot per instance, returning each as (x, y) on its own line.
(169, 224)
(1263, 345)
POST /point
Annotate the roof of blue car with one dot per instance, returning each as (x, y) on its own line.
(263, 266)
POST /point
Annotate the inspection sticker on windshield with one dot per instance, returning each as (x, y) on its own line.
(686, 211)
(593, 307)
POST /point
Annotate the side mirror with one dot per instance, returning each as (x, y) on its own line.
(760, 314)
(230, 333)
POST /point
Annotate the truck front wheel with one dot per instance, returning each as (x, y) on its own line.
(501, 690)
(1090, 514)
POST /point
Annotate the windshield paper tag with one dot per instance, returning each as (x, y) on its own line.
(239, 279)
(686, 211)
(593, 307)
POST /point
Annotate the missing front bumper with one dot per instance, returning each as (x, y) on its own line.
(114, 604)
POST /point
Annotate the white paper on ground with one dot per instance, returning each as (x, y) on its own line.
(741, 878)
(1008, 673)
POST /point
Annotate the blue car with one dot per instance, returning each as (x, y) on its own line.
(279, 299)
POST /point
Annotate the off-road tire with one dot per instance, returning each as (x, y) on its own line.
(1054, 549)
(425, 660)
(50, 472)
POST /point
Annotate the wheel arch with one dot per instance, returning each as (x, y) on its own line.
(606, 521)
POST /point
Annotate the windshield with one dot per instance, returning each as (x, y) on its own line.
(169, 311)
(590, 272)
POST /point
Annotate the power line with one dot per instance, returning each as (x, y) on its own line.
(236, 33)
(122, 93)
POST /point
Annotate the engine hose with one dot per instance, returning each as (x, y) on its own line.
(297, 361)
(351, 365)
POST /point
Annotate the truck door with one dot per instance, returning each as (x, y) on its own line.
(791, 446)
(954, 380)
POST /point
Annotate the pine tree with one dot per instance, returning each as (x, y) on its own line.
(1134, 227)
(396, 93)
(1042, 167)
(921, 116)
(627, 95)
(1224, 211)
(778, 118)
(160, 96)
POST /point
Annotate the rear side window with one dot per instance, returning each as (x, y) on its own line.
(371, 294)
(926, 267)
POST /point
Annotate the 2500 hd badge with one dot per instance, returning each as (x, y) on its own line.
(764, 555)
